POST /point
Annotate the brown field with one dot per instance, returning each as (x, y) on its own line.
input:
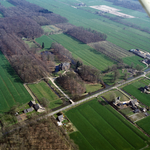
(112, 48)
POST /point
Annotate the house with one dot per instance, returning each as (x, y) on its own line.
(31, 103)
(28, 110)
(134, 103)
(64, 66)
(60, 118)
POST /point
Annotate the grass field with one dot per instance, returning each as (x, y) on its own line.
(88, 55)
(6, 4)
(46, 40)
(42, 90)
(116, 93)
(93, 87)
(11, 87)
(132, 89)
(101, 127)
(144, 124)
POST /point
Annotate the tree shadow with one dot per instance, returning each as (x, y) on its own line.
(9, 69)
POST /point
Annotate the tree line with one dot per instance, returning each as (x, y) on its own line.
(32, 11)
(86, 35)
(18, 22)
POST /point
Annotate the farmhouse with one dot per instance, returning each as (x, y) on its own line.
(64, 66)
(134, 103)
(60, 118)
(28, 110)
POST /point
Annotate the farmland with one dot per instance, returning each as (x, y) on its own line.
(126, 39)
(88, 55)
(11, 87)
(112, 48)
(99, 125)
(42, 90)
(144, 124)
(133, 89)
(118, 34)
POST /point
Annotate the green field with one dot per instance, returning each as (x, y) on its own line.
(11, 86)
(88, 55)
(42, 90)
(101, 127)
(132, 89)
(46, 40)
(144, 124)
(93, 87)
(6, 4)
(127, 38)
(118, 34)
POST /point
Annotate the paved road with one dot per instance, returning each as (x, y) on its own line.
(93, 96)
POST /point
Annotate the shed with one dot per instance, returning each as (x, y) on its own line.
(60, 118)
(31, 103)
(36, 107)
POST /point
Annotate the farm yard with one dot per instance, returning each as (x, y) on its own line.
(42, 90)
(109, 96)
(12, 90)
(133, 89)
(99, 125)
(88, 55)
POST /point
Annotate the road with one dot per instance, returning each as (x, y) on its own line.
(93, 96)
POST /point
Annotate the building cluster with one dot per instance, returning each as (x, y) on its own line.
(133, 103)
(141, 53)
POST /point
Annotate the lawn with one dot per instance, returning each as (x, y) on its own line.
(109, 95)
(42, 90)
(132, 89)
(88, 55)
(93, 87)
(11, 86)
(101, 127)
(50, 29)
(46, 40)
(144, 124)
